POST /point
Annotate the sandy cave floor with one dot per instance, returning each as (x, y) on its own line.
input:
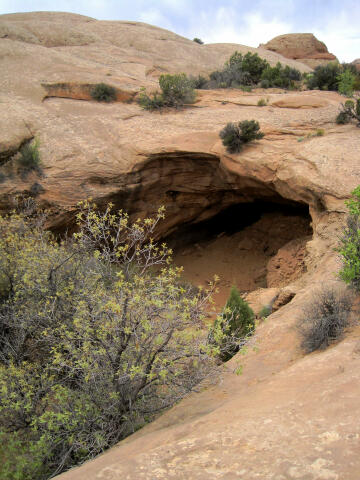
(242, 258)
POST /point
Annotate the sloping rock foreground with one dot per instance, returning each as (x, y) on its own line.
(304, 47)
(287, 416)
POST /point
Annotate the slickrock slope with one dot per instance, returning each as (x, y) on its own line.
(304, 47)
(287, 416)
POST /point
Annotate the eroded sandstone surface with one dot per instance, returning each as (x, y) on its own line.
(286, 416)
(304, 47)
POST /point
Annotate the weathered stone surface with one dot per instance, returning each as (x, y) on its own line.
(304, 47)
(287, 416)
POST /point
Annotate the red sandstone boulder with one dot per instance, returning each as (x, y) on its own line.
(301, 46)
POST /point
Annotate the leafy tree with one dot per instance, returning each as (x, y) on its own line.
(254, 65)
(198, 40)
(97, 335)
(235, 135)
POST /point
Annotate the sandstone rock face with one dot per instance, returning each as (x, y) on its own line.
(357, 64)
(287, 416)
(304, 47)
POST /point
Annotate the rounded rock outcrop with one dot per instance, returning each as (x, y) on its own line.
(304, 47)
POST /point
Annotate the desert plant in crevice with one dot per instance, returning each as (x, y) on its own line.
(233, 326)
(28, 158)
(102, 92)
(325, 318)
(235, 135)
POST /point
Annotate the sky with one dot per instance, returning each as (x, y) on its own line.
(337, 23)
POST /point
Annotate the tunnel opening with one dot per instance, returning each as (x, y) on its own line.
(253, 245)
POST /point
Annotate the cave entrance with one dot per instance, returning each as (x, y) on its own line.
(249, 245)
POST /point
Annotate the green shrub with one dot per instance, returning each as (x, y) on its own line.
(240, 70)
(342, 118)
(279, 76)
(320, 132)
(349, 111)
(154, 102)
(237, 322)
(176, 91)
(262, 102)
(29, 158)
(103, 93)
(265, 311)
(95, 340)
(325, 77)
(324, 319)
(235, 135)
(198, 82)
(253, 65)
(346, 81)
(349, 248)
(198, 40)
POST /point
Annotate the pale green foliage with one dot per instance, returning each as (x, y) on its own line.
(176, 90)
(350, 243)
(97, 336)
(346, 81)
(29, 157)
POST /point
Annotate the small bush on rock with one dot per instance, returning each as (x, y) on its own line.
(29, 158)
(235, 135)
(349, 111)
(154, 102)
(198, 40)
(176, 90)
(103, 93)
(325, 319)
(236, 324)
